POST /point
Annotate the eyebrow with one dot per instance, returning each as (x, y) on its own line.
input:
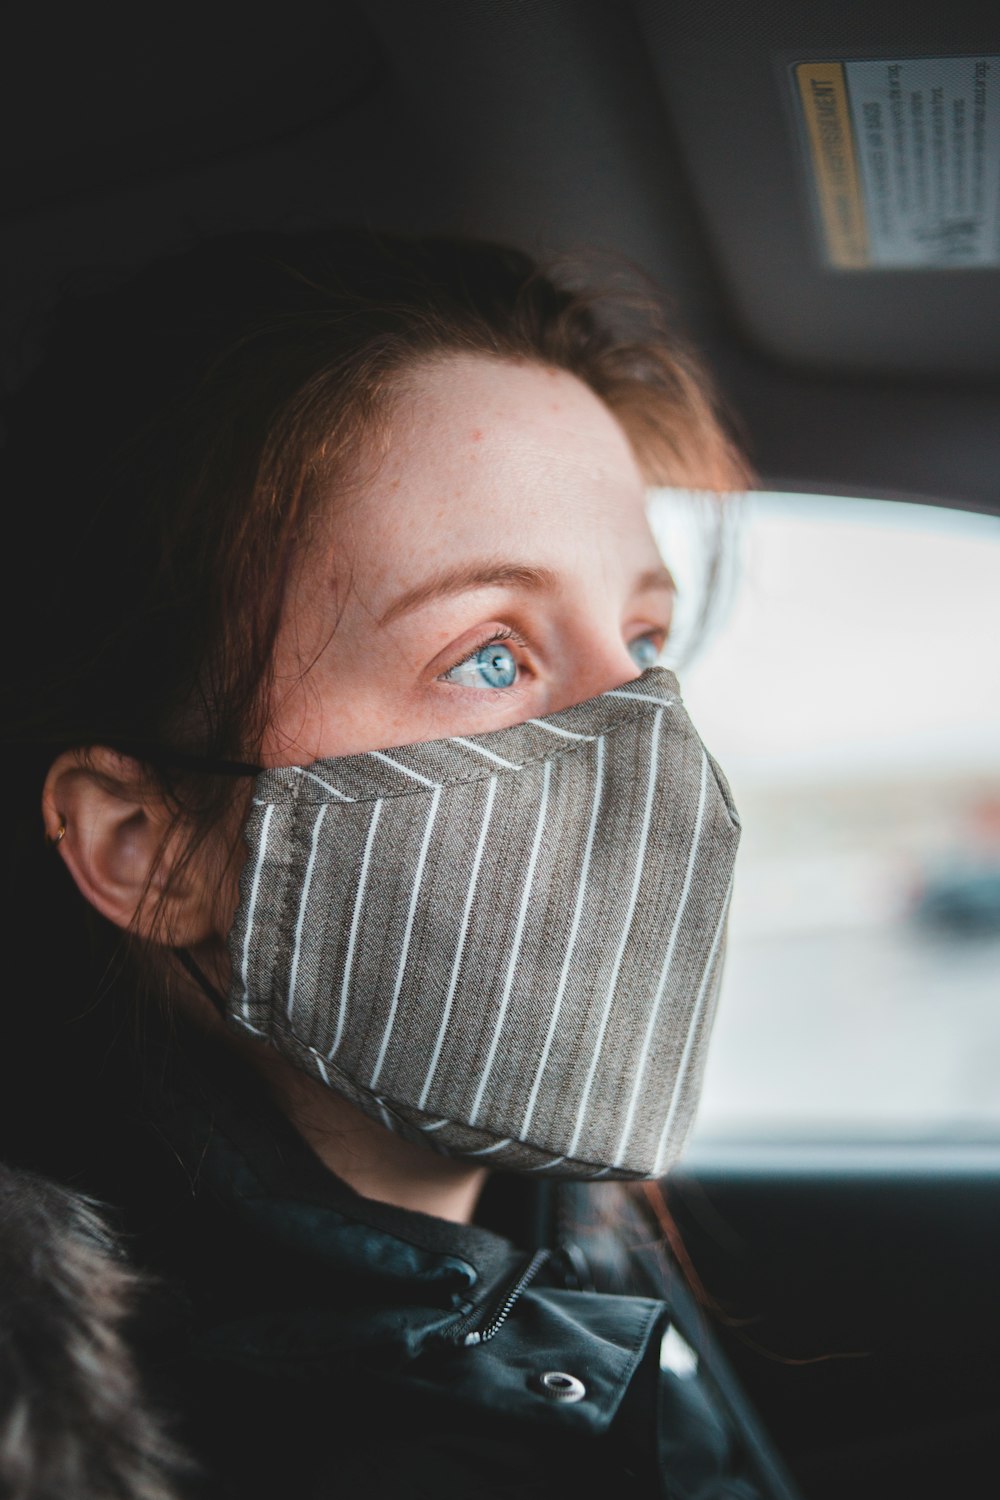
(480, 575)
(476, 575)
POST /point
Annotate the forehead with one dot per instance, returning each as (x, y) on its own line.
(482, 452)
(537, 401)
(463, 408)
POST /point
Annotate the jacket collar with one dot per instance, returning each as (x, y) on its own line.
(287, 1270)
(262, 1211)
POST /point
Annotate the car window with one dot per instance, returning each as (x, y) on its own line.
(852, 695)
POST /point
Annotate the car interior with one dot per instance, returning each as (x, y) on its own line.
(813, 192)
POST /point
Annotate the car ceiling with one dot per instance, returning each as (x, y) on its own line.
(652, 140)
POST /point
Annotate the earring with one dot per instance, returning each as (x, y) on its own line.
(52, 839)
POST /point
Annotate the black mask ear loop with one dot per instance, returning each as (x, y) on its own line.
(201, 979)
(183, 760)
(186, 761)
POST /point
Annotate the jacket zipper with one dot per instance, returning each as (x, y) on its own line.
(503, 1305)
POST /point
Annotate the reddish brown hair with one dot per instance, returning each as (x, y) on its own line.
(188, 425)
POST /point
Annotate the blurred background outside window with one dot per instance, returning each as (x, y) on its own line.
(851, 692)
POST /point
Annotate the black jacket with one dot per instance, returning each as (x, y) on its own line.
(319, 1344)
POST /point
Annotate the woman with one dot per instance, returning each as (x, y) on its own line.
(338, 705)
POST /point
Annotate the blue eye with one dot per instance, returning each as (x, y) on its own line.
(492, 666)
(644, 651)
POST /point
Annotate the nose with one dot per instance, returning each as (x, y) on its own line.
(597, 662)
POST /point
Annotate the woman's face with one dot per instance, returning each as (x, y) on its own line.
(496, 566)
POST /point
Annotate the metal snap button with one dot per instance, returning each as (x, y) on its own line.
(559, 1386)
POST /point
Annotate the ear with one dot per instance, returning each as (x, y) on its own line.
(121, 845)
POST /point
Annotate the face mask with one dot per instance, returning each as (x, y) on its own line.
(506, 946)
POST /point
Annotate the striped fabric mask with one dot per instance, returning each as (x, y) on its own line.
(507, 946)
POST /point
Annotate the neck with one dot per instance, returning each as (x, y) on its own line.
(364, 1154)
(371, 1159)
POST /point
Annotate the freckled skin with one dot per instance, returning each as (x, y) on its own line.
(550, 482)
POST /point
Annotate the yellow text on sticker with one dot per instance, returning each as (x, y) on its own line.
(823, 92)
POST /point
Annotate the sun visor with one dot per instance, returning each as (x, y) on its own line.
(903, 156)
(846, 164)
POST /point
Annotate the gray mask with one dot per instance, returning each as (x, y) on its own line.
(506, 946)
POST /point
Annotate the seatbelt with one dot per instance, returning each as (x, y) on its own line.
(666, 1279)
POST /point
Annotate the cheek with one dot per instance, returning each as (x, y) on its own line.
(363, 688)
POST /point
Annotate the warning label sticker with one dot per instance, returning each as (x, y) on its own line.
(905, 160)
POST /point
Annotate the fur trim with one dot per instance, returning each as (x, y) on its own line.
(73, 1420)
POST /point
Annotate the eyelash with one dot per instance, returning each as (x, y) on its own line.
(504, 633)
(494, 638)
